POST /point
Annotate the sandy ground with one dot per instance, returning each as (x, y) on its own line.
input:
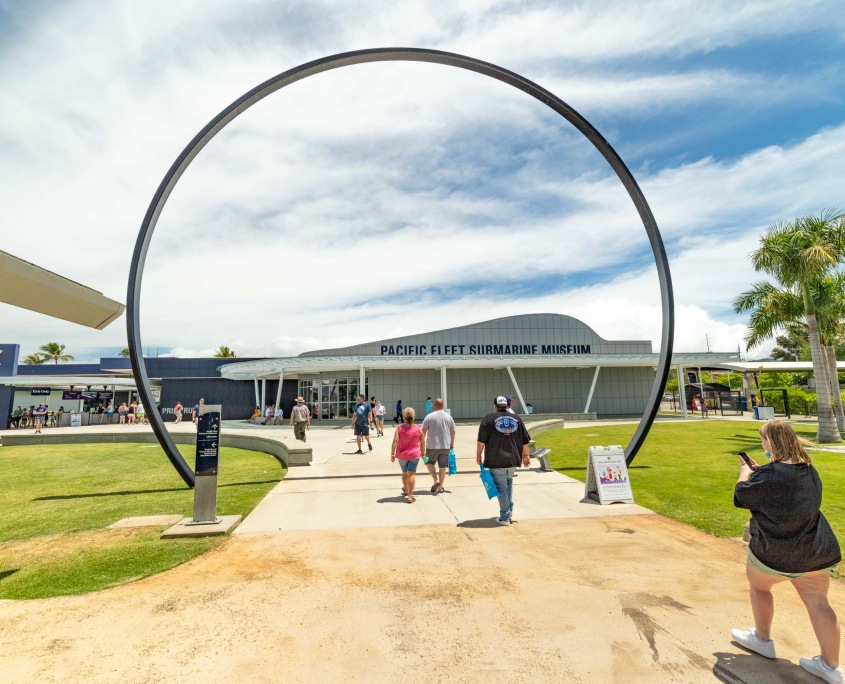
(613, 599)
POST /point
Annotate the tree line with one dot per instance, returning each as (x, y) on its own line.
(53, 351)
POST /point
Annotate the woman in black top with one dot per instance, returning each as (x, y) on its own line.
(790, 540)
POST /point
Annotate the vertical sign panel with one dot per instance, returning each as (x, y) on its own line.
(208, 441)
(207, 465)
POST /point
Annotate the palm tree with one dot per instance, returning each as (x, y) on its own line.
(772, 309)
(56, 352)
(831, 326)
(224, 353)
(34, 360)
(797, 253)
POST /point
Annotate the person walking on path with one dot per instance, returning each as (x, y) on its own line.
(398, 417)
(300, 418)
(130, 413)
(408, 445)
(40, 417)
(438, 429)
(196, 411)
(121, 413)
(177, 411)
(429, 406)
(373, 406)
(141, 412)
(790, 541)
(361, 418)
(503, 440)
(380, 410)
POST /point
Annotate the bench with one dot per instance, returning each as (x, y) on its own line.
(542, 455)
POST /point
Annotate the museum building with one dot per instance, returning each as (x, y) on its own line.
(554, 364)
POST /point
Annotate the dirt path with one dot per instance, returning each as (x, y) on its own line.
(633, 599)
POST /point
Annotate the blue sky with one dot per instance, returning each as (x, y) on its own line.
(386, 199)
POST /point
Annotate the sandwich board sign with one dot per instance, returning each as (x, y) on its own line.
(607, 476)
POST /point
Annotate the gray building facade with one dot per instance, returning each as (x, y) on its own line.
(554, 363)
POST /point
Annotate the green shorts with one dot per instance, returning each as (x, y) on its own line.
(755, 562)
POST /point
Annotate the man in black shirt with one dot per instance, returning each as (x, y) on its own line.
(503, 440)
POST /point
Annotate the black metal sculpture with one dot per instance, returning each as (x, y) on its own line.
(303, 71)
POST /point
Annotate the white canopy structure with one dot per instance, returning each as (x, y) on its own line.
(34, 288)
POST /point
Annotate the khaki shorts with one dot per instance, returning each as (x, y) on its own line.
(439, 456)
(755, 562)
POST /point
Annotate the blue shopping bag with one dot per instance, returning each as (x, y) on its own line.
(489, 484)
(453, 463)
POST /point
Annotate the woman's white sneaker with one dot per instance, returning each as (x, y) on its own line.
(747, 638)
(818, 667)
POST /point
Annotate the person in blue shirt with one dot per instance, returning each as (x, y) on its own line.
(429, 406)
(362, 416)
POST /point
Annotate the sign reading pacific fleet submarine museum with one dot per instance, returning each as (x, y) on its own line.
(481, 349)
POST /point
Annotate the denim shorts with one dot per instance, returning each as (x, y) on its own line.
(408, 465)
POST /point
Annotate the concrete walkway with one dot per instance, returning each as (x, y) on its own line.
(343, 490)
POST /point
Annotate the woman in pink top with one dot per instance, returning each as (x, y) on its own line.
(408, 445)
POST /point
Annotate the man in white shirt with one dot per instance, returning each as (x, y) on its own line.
(438, 428)
(279, 416)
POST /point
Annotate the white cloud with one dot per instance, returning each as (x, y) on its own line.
(327, 214)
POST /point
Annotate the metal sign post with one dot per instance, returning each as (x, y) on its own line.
(205, 471)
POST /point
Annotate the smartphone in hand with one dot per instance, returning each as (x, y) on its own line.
(747, 460)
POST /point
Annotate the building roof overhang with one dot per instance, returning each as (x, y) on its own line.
(34, 288)
(61, 381)
(306, 365)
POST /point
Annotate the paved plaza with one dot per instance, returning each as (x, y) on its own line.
(333, 577)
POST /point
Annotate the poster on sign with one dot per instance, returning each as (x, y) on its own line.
(76, 420)
(607, 476)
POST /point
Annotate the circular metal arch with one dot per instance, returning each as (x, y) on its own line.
(136, 270)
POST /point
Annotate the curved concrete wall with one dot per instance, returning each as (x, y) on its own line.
(287, 456)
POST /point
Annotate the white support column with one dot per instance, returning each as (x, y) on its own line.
(682, 393)
(279, 391)
(257, 396)
(362, 379)
(518, 393)
(592, 389)
(443, 391)
(263, 393)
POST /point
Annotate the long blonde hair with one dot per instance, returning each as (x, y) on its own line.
(408, 416)
(784, 443)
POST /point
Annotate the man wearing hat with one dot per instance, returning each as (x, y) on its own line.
(195, 412)
(503, 440)
(300, 418)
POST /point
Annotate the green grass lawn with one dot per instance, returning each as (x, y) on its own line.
(687, 471)
(56, 501)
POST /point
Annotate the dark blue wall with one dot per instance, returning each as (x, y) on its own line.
(236, 396)
(51, 368)
(7, 396)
